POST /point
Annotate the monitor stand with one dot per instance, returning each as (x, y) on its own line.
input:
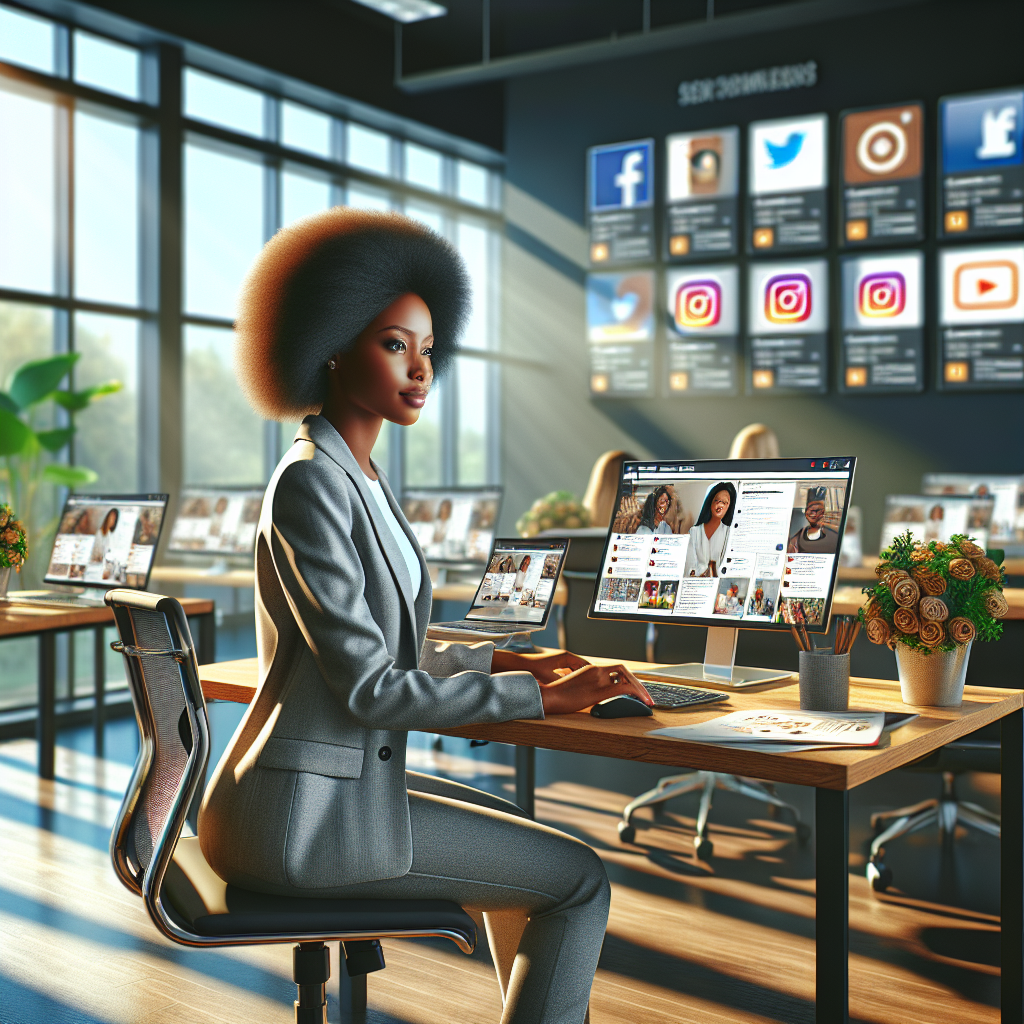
(719, 664)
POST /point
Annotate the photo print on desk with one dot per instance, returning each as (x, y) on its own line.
(981, 319)
(882, 346)
(788, 191)
(787, 328)
(703, 335)
(701, 189)
(620, 330)
(981, 158)
(883, 175)
(621, 202)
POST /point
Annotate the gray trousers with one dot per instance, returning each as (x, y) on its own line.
(481, 852)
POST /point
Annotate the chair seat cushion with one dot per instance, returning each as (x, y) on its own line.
(211, 907)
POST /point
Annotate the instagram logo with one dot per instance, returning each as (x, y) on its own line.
(882, 295)
(698, 304)
(787, 298)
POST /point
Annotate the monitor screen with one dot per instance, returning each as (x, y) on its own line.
(216, 521)
(453, 524)
(1007, 492)
(937, 517)
(107, 540)
(736, 542)
(520, 581)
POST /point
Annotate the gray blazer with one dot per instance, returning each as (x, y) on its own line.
(311, 792)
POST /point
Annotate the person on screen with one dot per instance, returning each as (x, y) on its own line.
(656, 508)
(815, 538)
(520, 582)
(933, 525)
(444, 514)
(706, 549)
(105, 536)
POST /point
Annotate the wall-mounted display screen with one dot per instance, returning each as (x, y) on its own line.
(1006, 530)
(621, 203)
(216, 521)
(787, 327)
(981, 178)
(936, 517)
(883, 174)
(701, 187)
(703, 316)
(788, 180)
(883, 323)
(620, 329)
(981, 314)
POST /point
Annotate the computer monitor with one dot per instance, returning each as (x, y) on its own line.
(937, 517)
(1006, 530)
(217, 521)
(727, 544)
(107, 540)
(454, 525)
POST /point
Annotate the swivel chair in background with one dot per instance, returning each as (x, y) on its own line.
(186, 900)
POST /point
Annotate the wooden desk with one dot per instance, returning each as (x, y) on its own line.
(833, 773)
(46, 622)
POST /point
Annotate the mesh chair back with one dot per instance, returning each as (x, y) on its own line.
(164, 681)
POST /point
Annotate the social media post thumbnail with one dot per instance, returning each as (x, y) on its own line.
(801, 611)
(883, 323)
(788, 157)
(731, 596)
(981, 180)
(703, 317)
(883, 167)
(817, 517)
(763, 598)
(621, 200)
(937, 517)
(659, 595)
(620, 328)
(981, 312)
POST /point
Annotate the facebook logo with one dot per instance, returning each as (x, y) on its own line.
(621, 175)
(981, 132)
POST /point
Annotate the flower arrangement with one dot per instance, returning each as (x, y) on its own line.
(13, 540)
(935, 596)
(557, 510)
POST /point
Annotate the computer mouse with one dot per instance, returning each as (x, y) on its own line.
(623, 706)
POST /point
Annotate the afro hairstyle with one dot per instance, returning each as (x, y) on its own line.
(320, 282)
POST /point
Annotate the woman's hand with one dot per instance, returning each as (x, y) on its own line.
(546, 668)
(588, 685)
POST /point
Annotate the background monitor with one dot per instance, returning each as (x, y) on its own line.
(1006, 530)
(218, 521)
(453, 524)
(937, 517)
(107, 540)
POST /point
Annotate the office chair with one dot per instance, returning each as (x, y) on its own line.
(974, 754)
(185, 899)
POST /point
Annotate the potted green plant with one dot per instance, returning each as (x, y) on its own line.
(13, 547)
(932, 601)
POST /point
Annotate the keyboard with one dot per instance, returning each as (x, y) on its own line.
(668, 697)
(466, 626)
(66, 600)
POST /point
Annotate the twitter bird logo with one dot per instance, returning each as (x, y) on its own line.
(782, 156)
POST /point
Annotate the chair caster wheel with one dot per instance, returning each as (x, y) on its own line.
(705, 848)
(879, 876)
(803, 833)
(627, 834)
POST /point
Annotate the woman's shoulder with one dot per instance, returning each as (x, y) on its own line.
(308, 475)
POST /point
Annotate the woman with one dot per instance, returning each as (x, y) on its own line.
(345, 318)
(706, 549)
(520, 581)
(656, 508)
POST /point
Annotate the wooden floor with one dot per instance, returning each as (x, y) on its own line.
(732, 941)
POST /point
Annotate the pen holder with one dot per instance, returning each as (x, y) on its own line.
(824, 681)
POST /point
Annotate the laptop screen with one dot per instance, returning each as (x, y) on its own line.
(216, 521)
(519, 583)
(937, 517)
(107, 540)
(453, 524)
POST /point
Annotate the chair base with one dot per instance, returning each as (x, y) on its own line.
(677, 785)
(311, 970)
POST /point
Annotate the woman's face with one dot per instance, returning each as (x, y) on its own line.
(663, 503)
(110, 521)
(720, 504)
(387, 372)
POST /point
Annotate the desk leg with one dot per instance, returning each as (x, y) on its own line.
(99, 675)
(46, 720)
(207, 653)
(526, 777)
(1012, 868)
(832, 906)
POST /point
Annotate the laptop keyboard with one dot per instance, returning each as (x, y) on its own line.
(668, 697)
(480, 627)
(74, 600)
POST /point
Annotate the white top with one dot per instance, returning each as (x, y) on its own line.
(704, 549)
(404, 544)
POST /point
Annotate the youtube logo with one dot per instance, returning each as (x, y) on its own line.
(983, 285)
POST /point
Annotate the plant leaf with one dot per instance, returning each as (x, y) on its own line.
(8, 403)
(54, 440)
(14, 435)
(76, 401)
(70, 476)
(35, 380)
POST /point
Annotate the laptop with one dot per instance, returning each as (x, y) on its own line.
(453, 525)
(103, 541)
(516, 593)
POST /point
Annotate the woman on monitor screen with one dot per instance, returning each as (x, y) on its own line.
(345, 319)
(653, 515)
(706, 549)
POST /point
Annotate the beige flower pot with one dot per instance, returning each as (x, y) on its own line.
(5, 580)
(932, 680)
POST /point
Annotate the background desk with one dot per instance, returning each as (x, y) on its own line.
(45, 623)
(866, 570)
(833, 773)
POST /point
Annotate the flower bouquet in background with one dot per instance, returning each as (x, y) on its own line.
(559, 510)
(13, 546)
(932, 601)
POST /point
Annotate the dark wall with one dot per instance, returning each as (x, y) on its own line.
(922, 52)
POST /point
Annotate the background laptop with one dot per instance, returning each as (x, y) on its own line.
(454, 525)
(517, 591)
(103, 541)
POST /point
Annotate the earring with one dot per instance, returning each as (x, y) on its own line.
(331, 364)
